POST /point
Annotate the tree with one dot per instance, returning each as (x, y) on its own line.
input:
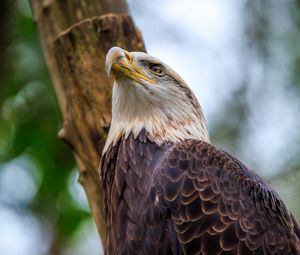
(75, 37)
(55, 21)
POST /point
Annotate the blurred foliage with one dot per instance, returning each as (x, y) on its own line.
(272, 30)
(37, 171)
(29, 123)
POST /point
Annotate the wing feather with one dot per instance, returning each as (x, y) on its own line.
(218, 206)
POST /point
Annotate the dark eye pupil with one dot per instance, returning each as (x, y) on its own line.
(156, 68)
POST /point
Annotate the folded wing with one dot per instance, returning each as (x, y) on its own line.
(218, 206)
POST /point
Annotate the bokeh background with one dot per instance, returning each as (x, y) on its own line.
(241, 58)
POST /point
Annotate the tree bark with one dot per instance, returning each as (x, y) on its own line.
(75, 36)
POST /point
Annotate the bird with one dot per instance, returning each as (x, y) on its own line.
(166, 188)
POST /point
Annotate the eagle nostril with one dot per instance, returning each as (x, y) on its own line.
(128, 56)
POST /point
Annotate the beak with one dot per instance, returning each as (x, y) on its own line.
(119, 63)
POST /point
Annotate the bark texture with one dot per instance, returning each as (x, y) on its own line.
(75, 37)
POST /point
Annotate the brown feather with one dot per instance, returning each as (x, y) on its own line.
(189, 198)
(246, 216)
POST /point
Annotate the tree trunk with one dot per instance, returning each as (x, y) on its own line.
(75, 36)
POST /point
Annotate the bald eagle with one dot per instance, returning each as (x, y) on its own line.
(167, 189)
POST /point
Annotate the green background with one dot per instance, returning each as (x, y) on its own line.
(42, 207)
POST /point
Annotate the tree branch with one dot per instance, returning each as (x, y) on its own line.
(75, 40)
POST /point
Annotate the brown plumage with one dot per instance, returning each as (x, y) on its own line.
(185, 196)
(190, 198)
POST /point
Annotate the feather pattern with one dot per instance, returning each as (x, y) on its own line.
(189, 198)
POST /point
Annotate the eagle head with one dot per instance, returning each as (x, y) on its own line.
(148, 94)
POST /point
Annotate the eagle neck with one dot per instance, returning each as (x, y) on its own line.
(164, 120)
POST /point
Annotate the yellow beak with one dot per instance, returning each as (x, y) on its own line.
(119, 63)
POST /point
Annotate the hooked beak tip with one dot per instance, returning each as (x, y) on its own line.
(112, 57)
(107, 70)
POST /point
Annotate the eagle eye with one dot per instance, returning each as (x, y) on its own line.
(156, 68)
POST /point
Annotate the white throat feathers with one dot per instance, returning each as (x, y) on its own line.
(167, 118)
